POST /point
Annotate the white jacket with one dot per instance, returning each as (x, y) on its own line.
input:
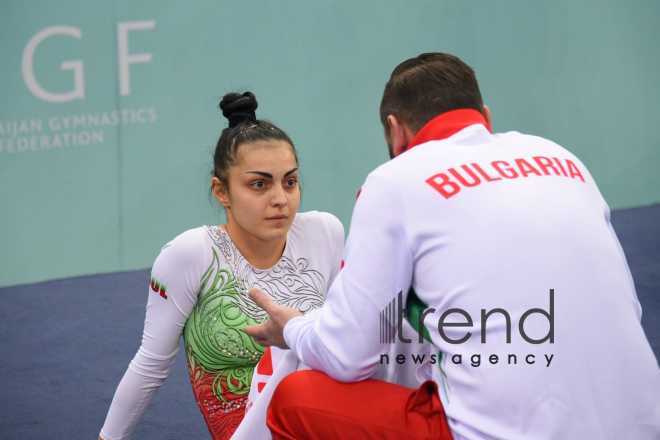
(479, 221)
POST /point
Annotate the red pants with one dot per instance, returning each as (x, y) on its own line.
(310, 405)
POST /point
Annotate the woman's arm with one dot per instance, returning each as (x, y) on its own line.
(172, 294)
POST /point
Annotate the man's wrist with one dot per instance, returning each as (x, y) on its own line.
(289, 331)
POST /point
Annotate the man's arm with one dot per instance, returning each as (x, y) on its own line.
(342, 337)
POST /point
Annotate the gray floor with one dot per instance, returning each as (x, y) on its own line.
(66, 344)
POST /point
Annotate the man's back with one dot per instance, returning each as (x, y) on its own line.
(500, 225)
(530, 300)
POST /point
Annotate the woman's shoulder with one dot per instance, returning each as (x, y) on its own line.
(188, 247)
(314, 222)
(315, 219)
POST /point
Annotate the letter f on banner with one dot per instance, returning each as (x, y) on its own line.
(125, 58)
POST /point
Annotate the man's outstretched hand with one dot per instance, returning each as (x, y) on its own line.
(271, 331)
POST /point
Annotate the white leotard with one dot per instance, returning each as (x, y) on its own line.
(199, 283)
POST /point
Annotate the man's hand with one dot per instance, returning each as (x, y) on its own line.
(271, 331)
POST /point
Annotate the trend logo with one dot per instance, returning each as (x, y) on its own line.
(415, 312)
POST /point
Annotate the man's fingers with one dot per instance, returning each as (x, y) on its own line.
(262, 299)
(258, 333)
(270, 331)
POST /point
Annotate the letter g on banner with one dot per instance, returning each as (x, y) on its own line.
(78, 91)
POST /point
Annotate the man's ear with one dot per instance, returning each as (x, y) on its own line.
(400, 135)
(220, 192)
(489, 121)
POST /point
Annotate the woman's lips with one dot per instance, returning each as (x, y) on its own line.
(278, 217)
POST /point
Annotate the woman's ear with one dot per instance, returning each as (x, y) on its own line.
(220, 192)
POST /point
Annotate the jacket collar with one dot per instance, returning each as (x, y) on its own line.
(447, 124)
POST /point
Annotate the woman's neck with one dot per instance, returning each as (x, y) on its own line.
(259, 253)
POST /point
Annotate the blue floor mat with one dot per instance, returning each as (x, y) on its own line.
(66, 343)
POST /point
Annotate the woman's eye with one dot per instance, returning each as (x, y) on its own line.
(258, 184)
(292, 182)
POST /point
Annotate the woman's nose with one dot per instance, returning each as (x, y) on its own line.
(279, 196)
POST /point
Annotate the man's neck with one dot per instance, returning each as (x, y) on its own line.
(448, 124)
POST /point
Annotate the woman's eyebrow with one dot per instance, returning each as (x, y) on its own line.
(270, 176)
(260, 173)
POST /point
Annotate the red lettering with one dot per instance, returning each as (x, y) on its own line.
(484, 174)
(573, 170)
(475, 179)
(508, 172)
(561, 167)
(526, 168)
(449, 183)
(441, 183)
(544, 163)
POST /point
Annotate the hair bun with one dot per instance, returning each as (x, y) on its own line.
(238, 108)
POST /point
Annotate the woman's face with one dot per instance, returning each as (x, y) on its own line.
(263, 195)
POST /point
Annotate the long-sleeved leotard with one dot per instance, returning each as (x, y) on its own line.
(198, 289)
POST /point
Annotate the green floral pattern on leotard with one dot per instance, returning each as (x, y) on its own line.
(215, 342)
(221, 358)
(213, 336)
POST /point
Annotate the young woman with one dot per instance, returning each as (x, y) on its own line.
(200, 279)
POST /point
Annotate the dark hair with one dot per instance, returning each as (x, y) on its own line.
(239, 109)
(422, 87)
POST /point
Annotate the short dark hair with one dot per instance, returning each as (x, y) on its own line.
(422, 87)
(243, 128)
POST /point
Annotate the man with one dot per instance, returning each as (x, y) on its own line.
(507, 240)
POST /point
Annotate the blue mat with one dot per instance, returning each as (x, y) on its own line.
(66, 344)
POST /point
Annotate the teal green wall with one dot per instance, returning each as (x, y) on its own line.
(584, 74)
